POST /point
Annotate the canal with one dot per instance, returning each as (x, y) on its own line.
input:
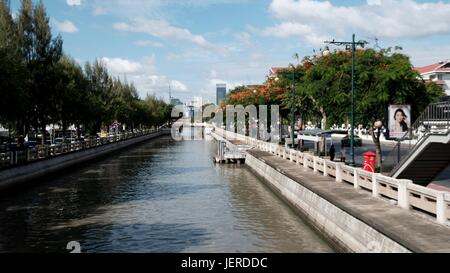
(160, 196)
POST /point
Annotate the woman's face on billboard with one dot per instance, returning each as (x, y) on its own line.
(399, 117)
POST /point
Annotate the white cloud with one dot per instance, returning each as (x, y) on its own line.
(73, 2)
(119, 66)
(243, 38)
(144, 75)
(374, 2)
(315, 20)
(163, 30)
(158, 84)
(178, 86)
(149, 44)
(290, 29)
(65, 26)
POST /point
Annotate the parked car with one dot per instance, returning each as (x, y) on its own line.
(70, 140)
(4, 144)
(30, 144)
(345, 142)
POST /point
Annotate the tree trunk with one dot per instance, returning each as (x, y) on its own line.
(43, 134)
(324, 118)
(63, 125)
(322, 111)
(78, 131)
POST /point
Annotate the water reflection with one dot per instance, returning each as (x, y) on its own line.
(162, 196)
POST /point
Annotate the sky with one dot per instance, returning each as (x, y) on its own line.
(188, 46)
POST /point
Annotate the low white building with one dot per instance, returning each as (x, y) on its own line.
(197, 102)
(438, 73)
(3, 131)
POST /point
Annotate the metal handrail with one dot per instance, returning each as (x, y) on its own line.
(11, 158)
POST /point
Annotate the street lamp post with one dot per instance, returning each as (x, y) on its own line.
(293, 107)
(378, 125)
(353, 45)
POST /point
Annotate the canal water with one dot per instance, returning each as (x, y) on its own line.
(160, 196)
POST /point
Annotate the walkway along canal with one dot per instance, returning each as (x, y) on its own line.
(358, 210)
(160, 196)
(51, 160)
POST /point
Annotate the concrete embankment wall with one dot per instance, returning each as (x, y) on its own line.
(345, 231)
(25, 174)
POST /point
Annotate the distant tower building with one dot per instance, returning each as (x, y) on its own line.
(221, 92)
(175, 101)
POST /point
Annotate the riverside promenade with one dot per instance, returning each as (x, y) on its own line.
(57, 159)
(352, 219)
(355, 210)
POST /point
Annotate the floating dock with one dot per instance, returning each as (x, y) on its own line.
(230, 151)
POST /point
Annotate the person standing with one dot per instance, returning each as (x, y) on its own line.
(343, 153)
(332, 152)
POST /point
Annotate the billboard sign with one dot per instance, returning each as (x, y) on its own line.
(399, 121)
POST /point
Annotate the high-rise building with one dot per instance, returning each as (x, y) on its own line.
(221, 92)
(175, 101)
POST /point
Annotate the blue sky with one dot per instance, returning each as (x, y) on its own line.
(190, 45)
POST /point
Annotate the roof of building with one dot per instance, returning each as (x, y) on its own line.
(441, 82)
(438, 67)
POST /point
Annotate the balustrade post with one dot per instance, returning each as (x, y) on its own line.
(441, 207)
(403, 194)
(325, 168)
(338, 172)
(291, 157)
(356, 179)
(305, 162)
(297, 158)
(375, 185)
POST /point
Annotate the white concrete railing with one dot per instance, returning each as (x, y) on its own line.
(403, 192)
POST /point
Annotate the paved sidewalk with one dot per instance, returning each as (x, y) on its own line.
(416, 232)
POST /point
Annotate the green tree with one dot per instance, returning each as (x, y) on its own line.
(13, 98)
(100, 89)
(382, 78)
(73, 102)
(40, 53)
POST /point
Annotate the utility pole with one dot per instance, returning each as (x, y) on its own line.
(293, 107)
(170, 94)
(353, 45)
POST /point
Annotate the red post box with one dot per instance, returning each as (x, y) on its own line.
(370, 159)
